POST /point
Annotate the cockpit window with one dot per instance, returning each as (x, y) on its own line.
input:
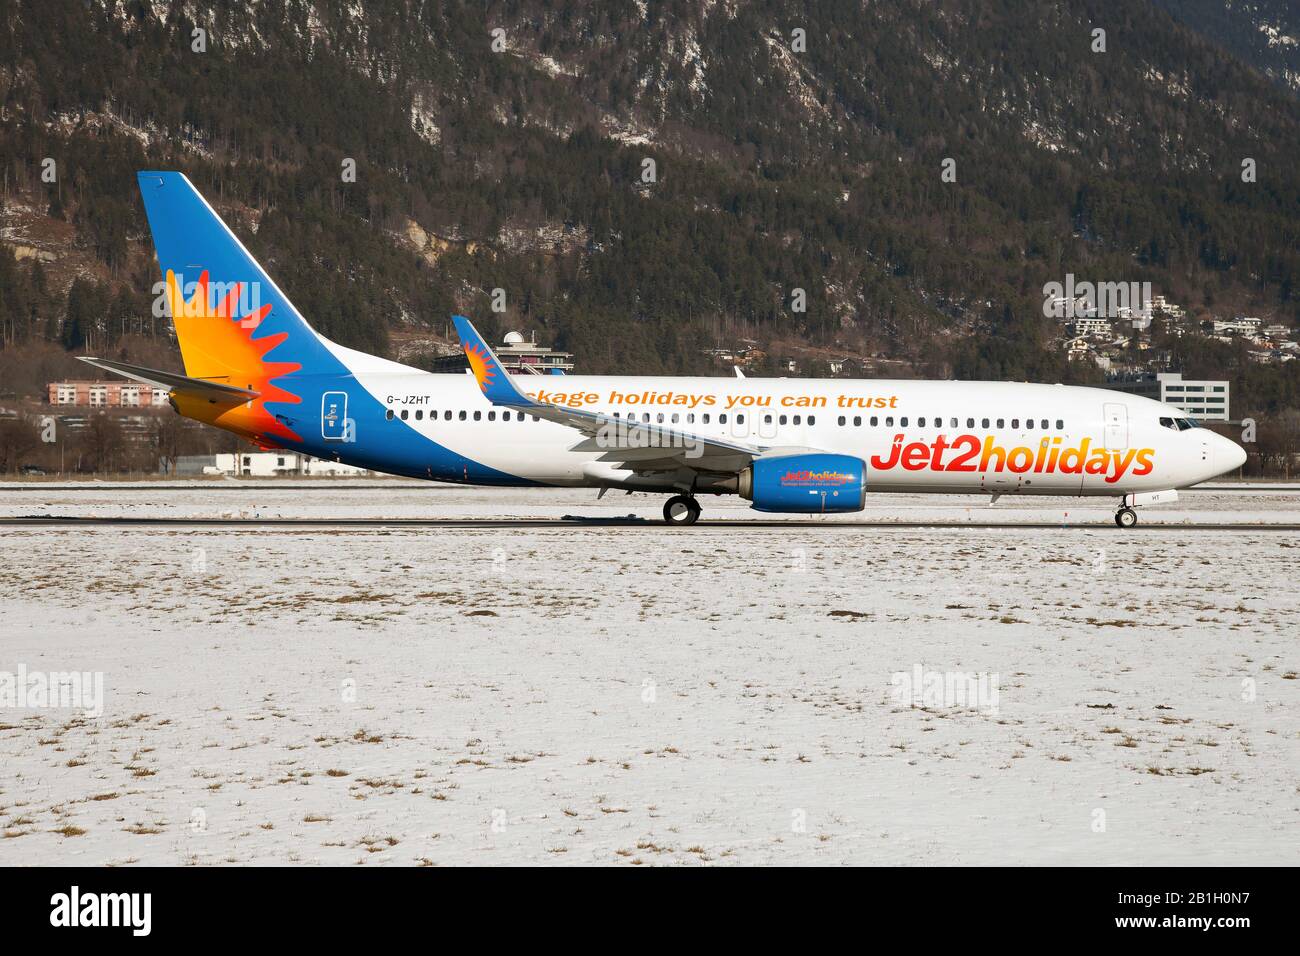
(1178, 424)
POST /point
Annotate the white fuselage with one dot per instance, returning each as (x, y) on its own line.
(931, 436)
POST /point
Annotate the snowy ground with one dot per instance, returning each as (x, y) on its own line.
(637, 694)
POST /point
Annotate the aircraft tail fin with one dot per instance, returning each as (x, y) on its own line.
(235, 326)
(232, 321)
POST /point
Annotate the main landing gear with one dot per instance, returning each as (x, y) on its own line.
(681, 510)
(1126, 517)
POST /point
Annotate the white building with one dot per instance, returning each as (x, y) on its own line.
(1100, 328)
(1159, 303)
(263, 464)
(1077, 349)
(1204, 401)
(1245, 325)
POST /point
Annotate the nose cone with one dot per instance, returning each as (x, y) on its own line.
(1226, 455)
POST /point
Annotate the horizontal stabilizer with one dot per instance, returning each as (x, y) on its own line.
(212, 391)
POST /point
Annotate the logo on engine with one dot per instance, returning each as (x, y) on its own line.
(807, 477)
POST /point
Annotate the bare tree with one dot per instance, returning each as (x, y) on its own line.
(18, 438)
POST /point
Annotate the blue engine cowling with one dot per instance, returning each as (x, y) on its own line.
(806, 484)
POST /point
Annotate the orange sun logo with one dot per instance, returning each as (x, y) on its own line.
(478, 363)
(218, 346)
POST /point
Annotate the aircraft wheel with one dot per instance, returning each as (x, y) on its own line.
(681, 510)
(1126, 517)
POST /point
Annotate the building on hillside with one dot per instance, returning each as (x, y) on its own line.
(93, 394)
(1162, 305)
(1244, 325)
(1077, 349)
(847, 367)
(517, 355)
(1205, 401)
(1101, 328)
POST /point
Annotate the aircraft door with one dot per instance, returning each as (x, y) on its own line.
(1116, 419)
(740, 424)
(334, 416)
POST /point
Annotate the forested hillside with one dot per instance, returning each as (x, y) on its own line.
(796, 145)
(1263, 33)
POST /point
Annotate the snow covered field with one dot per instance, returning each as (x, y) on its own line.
(635, 694)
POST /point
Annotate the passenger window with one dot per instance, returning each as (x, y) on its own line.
(1045, 424)
(767, 419)
(478, 416)
(740, 419)
(875, 420)
(389, 415)
(954, 423)
(505, 416)
(1029, 423)
(706, 418)
(857, 421)
(812, 419)
(780, 420)
(722, 419)
(446, 416)
(841, 419)
(405, 414)
(903, 421)
(1002, 423)
(492, 416)
(889, 421)
(798, 418)
(1060, 425)
(676, 418)
(690, 418)
(984, 423)
(1015, 423)
(461, 415)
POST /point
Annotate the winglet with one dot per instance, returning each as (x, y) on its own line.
(492, 378)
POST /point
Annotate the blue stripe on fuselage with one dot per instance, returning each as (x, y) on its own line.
(380, 444)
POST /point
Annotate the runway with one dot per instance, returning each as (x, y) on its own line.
(395, 671)
(372, 485)
(569, 522)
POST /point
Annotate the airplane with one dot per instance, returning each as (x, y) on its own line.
(255, 367)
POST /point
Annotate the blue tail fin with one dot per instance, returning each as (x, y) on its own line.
(232, 321)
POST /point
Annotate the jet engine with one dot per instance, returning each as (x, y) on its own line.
(805, 484)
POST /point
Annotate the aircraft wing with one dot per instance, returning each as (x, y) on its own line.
(640, 446)
(203, 388)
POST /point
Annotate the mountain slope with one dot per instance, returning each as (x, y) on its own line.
(777, 169)
(1263, 33)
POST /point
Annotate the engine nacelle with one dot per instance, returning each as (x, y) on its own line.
(806, 484)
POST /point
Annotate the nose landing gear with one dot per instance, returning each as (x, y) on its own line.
(1126, 517)
(681, 510)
